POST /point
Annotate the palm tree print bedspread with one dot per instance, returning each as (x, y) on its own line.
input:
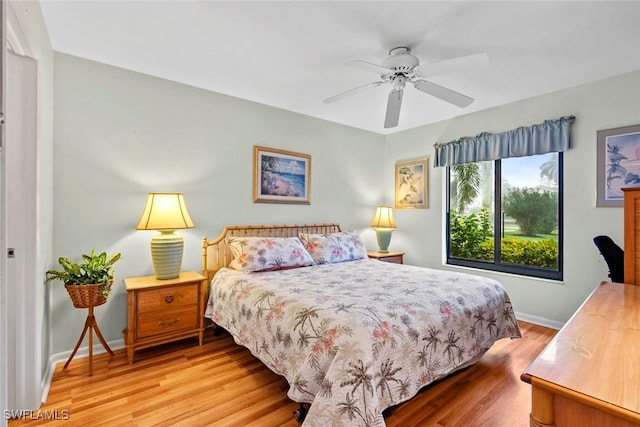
(355, 338)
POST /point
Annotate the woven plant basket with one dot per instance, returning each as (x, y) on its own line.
(84, 296)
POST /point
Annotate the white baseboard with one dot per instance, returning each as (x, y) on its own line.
(54, 359)
(542, 321)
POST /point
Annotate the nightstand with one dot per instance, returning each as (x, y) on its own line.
(161, 311)
(394, 257)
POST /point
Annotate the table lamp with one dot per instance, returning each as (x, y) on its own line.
(166, 212)
(384, 224)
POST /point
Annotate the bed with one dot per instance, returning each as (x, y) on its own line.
(352, 336)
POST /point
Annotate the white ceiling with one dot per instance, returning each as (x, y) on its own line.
(291, 54)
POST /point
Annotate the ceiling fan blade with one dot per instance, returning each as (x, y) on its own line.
(478, 61)
(393, 108)
(351, 92)
(369, 66)
(443, 93)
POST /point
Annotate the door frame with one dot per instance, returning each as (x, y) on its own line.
(24, 300)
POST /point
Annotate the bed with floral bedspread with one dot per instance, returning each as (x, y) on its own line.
(354, 338)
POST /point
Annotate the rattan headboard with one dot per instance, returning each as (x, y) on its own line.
(216, 255)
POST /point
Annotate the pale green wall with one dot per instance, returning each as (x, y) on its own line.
(120, 134)
(604, 104)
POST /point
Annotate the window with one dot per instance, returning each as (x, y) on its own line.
(506, 215)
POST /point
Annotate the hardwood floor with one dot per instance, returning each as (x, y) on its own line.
(222, 384)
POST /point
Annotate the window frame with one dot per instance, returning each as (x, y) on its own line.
(496, 264)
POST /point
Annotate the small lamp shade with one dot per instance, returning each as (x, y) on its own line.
(166, 212)
(384, 224)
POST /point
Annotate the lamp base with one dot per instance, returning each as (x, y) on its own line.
(383, 235)
(166, 253)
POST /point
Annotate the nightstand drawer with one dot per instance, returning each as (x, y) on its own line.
(392, 257)
(167, 298)
(397, 259)
(166, 321)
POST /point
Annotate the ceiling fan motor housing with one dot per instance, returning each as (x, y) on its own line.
(401, 60)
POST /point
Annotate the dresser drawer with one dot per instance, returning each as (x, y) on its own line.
(166, 298)
(167, 321)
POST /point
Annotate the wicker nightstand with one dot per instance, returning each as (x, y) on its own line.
(394, 257)
(161, 311)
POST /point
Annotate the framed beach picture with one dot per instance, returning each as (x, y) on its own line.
(618, 164)
(412, 184)
(281, 176)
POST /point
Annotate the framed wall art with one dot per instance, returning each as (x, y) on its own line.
(618, 164)
(281, 176)
(412, 184)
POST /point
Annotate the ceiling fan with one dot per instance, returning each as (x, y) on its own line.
(401, 66)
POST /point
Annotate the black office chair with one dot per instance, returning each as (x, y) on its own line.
(613, 256)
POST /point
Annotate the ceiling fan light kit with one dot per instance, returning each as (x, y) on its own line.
(400, 67)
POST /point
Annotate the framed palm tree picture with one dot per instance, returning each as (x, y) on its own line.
(281, 176)
(618, 164)
(412, 184)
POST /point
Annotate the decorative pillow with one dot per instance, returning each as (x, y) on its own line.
(267, 253)
(334, 247)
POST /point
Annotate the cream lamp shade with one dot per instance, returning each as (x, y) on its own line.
(384, 224)
(166, 212)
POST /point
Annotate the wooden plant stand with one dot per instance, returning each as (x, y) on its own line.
(88, 296)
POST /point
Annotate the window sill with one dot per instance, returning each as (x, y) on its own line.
(483, 272)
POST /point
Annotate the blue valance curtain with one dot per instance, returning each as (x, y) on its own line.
(547, 137)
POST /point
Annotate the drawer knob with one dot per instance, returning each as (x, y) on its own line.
(163, 323)
(168, 299)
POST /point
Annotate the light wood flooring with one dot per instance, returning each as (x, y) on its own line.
(222, 384)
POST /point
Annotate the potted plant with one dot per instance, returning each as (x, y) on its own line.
(88, 283)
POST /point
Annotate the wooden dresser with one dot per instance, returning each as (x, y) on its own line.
(632, 235)
(589, 374)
